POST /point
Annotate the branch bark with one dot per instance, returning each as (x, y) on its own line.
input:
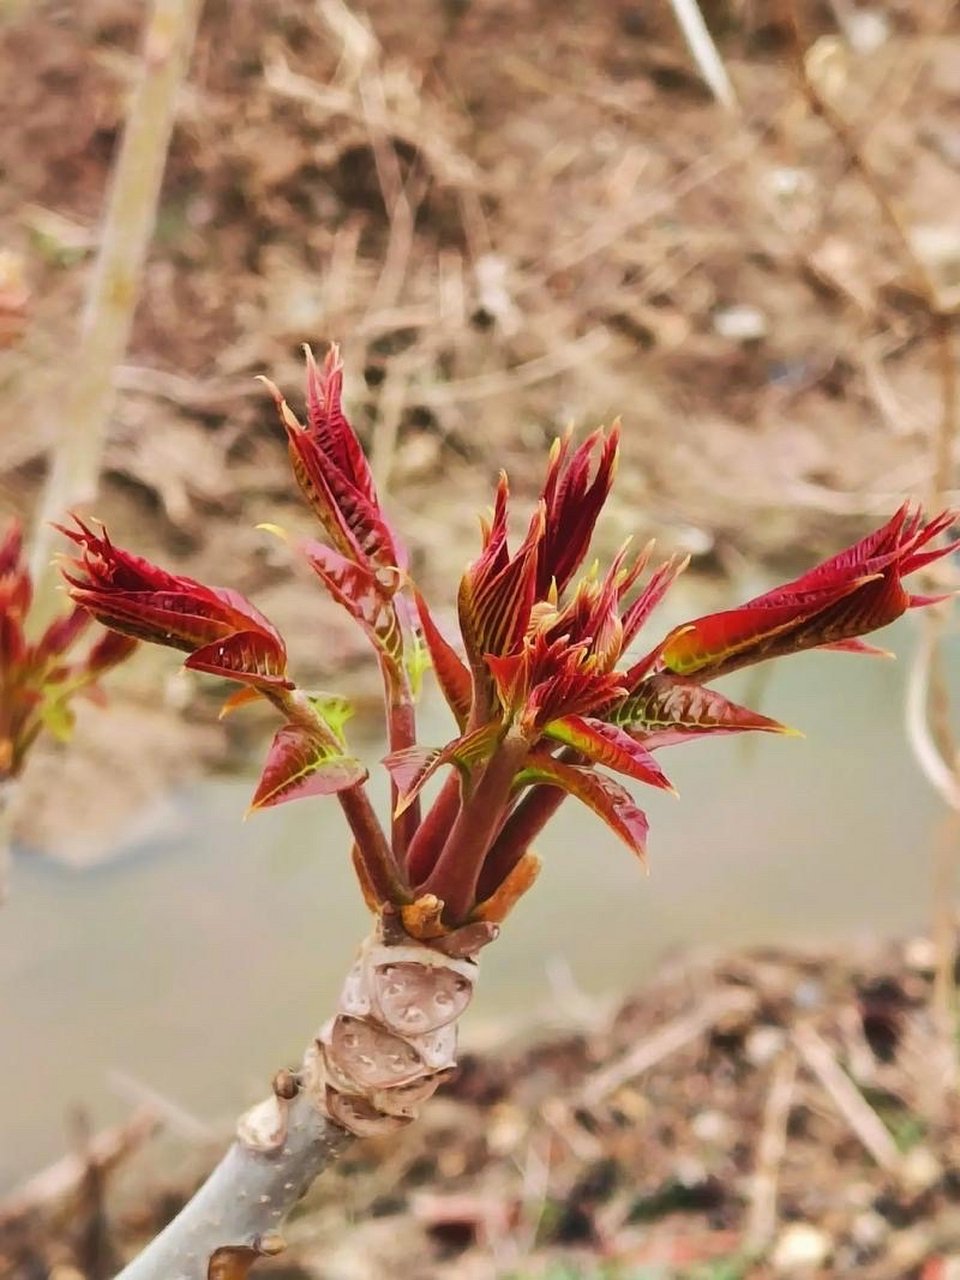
(87, 397)
(391, 1042)
(6, 836)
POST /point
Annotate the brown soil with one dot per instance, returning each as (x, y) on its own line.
(727, 1121)
(544, 219)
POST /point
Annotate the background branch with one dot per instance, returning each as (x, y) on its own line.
(927, 712)
(87, 397)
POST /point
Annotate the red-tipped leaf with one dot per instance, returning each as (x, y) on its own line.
(247, 656)
(611, 746)
(849, 595)
(668, 709)
(608, 799)
(301, 764)
(367, 596)
(573, 504)
(452, 674)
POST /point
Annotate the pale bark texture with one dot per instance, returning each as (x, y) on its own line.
(391, 1042)
(6, 836)
(86, 397)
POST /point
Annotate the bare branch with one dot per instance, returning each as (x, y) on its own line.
(704, 52)
(390, 1044)
(847, 1098)
(88, 393)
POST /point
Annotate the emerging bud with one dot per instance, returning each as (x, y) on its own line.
(849, 595)
(38, 680)
(220, 629)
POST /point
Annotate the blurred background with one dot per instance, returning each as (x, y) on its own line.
(740, 236)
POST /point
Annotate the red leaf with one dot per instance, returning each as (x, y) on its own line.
(572, 505)
(722, 642)
(247, 656)
(412, 767)
(63, 631)
(13, 642)
(300, 764)
(608, 799)
(668, 709)
(138, 598)
(328, 425)
(453, 677)
(241, 697)
(332, 471)
(660, 583)
(608, 745)
(11, 548)
(854, 645)
(364, 595)
(498, 590)
(108, 652)
(849, 595)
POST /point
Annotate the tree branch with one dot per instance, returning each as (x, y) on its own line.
(88, 393)
(245, 1199)
(391, 1042)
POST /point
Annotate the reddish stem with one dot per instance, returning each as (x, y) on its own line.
(519, 831)
(402, 733)
(454, 878)
(427, 844)
(372, 845)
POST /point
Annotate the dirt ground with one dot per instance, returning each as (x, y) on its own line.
(512, 218)
(771, 1115)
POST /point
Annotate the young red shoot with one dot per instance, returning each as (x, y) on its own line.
(547, 696)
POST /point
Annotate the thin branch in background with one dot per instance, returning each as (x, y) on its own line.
(762, 1213)
(88, 393)
(61, 1179)
(849, 1101)
(666, 1040)
(927, 704)
(704, 52)
(941, 776)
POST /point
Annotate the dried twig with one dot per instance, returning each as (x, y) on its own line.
(176, 1119)
(565, 356)
(669, 1039)
(762, 1211)
(704, 51)
(65, 1176)
(847, 1098)
(88, 394)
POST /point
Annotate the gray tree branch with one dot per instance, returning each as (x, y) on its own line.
(391, 1042)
